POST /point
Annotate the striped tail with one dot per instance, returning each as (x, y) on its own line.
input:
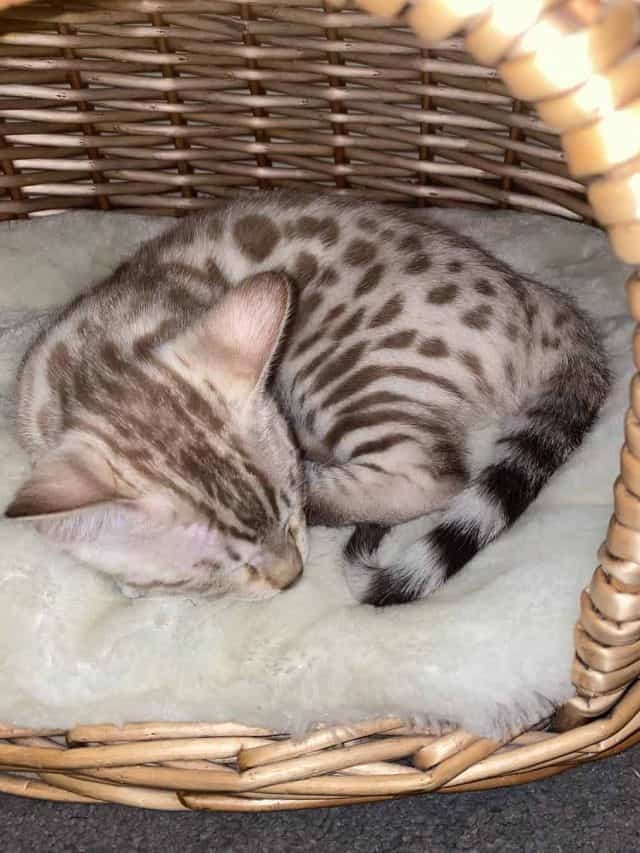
(398, 565)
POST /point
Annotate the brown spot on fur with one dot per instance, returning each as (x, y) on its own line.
(561, 317)
(399, 340)
(311, 366)
(216, 275)
(512, 331)
(442, 294)
(350, 325)
(312, 338)
(182, 300)
(367, 224)
(306, 268)
(418, 264)
(310, 420)
(510, 373)
(550, 343)
(410, 243)
(517, 285)
(309, 304)
(59, 363)
(455, 266)
(360, 379)
(377, 398)
(388, 234)
(340, 365)
(369, 419)
(165, 331)
(256, 236)
(267, 489)
(389, 311)
(359, 253)
(333, 314)
(327, 277)
(330, 232)
(306, 226)
(531, 311)
(478, 318)
(311, 226)
(434, 348)
(474, 365)
(356, 382)
(370, 280)
(484, 287)
(379, 445)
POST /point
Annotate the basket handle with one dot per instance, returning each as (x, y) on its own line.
(577, 61)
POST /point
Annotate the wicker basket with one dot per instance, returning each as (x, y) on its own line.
(163, 106)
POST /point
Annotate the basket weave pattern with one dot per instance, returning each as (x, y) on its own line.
(163, 107)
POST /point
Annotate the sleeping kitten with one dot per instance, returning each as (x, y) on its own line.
(282, 355)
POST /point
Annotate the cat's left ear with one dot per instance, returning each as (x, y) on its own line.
(236, 340)
(69, 499)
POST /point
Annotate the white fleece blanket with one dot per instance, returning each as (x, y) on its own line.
(490, 651)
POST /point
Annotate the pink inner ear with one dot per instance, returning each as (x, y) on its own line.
(240, 335)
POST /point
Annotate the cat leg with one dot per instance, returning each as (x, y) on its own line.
(365, 491)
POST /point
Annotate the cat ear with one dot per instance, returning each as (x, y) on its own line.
(61, 482)
(67, 499)
(236, 339)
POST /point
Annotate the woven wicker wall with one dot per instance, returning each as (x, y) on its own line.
(164, 105)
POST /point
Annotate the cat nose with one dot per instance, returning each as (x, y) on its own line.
(285, 567)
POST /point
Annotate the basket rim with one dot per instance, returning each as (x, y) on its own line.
(246, 769)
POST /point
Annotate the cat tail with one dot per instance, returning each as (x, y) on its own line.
(403, 563)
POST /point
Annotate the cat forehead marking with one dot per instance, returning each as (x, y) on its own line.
(359, 253)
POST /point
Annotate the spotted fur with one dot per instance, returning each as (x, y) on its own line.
(286, 356)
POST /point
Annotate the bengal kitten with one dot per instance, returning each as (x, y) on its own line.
(282, 356)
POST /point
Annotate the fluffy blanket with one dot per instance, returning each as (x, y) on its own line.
(491, 651)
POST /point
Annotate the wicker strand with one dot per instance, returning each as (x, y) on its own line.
(160, 106)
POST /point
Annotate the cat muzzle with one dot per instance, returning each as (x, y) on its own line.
(284, 567)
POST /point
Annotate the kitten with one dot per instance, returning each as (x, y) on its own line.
(283, 355)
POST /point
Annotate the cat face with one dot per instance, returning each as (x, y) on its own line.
(179, 475)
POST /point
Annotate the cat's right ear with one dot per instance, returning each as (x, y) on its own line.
(235, 341)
